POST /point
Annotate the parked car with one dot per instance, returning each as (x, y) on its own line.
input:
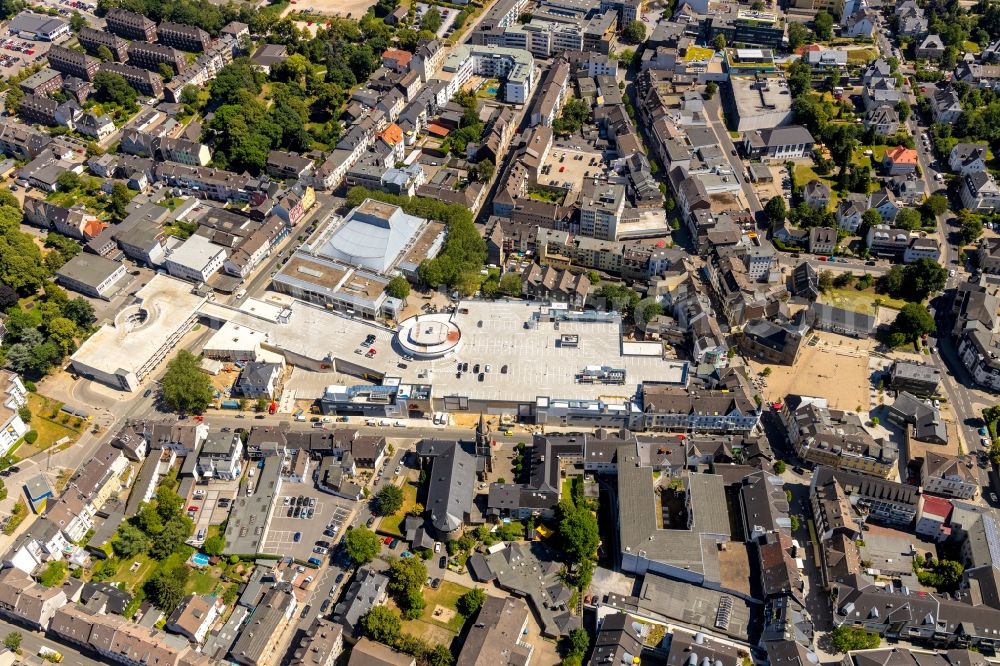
(297, 537)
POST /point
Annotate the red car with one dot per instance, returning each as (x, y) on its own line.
(192, 508)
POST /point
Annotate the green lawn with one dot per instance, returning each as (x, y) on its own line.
(391, 524)
(446, 596)
(50, 430)
(850, 298)
(861, 56)
(860, 159)
(971, 47)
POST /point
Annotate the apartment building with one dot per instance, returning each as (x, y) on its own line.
(131, 25)
(72, 63)
(150, 56)
(15, 396)
(144, 81)
(835, 438)
(93, 40)
(601, 207)
(184, 37)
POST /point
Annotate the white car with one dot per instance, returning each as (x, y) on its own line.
(951, 273)
(398, 424)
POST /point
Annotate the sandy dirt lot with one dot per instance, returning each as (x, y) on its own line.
(829, 366)
(349, 8)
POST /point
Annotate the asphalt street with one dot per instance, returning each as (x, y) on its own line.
(32, 641)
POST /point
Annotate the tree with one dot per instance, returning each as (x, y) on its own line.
(823, 23)
(175, 532)
(576, 643)
(825, 280)
(362, 545)
(431, 20)
(847, 639)
(260, 404)
(68, 180)
(485, 170)
(235, 81)
(114, 89)
(12, 641)
(903, 109)
(129, 541)
(105, 54)
(381, 625)
(913, 321)
(62, 332)
(121, 196)
(635, 32)
(935, 205)
(719, 42)
(389, 500)
(971, 228)
(776, 210)
(908, 218)
(185, 388)
(710, 89)
(797, 35)
(80, 312)
(398, 287)
(214, 546)
(8, 297)
(647, 309)
(406, 574)
(469, 603)
(580, 534)
(14, 98)
(779, 466)
(510, 285)
(165, 588)
(440, 656)
(76, 21)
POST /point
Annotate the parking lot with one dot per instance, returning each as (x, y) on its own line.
(316, 513)
(17, 53)
(567, 168)
(209, 510)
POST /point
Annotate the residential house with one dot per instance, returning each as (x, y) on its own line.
(931, 48)
(900, 160)
(927, 425)
(883, 119)
(258, 380)
(951, 476)
(979, 192)
(816, 194)
(321, 646)
(945, 106)
(850, 210)
(221, 456)
(557, 286)
(822, 240)
(194, 616)
(966, 158)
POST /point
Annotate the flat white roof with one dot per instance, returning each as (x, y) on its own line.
(142, 328)
(196, 252)
(233, 337)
